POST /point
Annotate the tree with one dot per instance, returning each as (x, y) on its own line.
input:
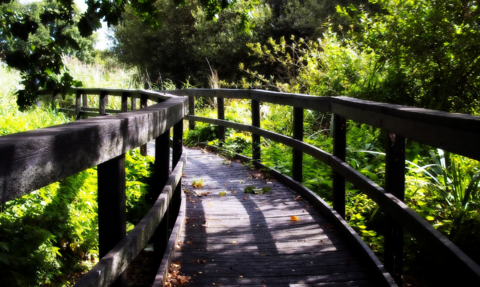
(41, 65)
(429, 51)
(179, 51)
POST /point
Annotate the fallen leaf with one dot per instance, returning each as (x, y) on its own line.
(184, 175)
(234, 242)
(244, 198)
(298, 198)
(222, 193)
(234, 191)
(294, 218)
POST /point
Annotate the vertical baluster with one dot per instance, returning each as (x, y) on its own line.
(124, 102)
(256, 123)
(111, 207)
(221, 116)
(103, 102)
(84, 100)
(339, 146)
(395, 184)
(177, 143)
(78, 104)
(54, 99)
(143, 104)
(176, 155)
(162, 172)
(134, 103)
(191, 111)
(297, 169)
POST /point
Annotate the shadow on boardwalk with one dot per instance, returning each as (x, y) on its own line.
(250, 239)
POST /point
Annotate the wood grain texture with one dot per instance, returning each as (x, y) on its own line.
(105, 272)
(250, 239)
(33, 159)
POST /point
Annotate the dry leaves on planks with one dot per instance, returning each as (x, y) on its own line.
(175, 278)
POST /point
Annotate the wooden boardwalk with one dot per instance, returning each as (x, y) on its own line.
(251, 239)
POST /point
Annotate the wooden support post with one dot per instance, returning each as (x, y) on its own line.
(394, 184)
(339, 146)
(84, 100)
(256, 123)
(297, 168)
(143, 104)
(124, 102)
(134, 103)
(221, 116)
(162, 172)
(54, 99)
(111, 207)
(78, 104)
(177, 143)
(191, 111)
(103, 102)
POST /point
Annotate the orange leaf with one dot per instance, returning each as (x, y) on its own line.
(294, 218)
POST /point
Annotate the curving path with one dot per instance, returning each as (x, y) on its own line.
(251, 239)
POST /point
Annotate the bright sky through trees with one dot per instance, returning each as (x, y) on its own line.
(102, 40)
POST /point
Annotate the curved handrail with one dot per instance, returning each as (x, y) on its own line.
(454, 132)
(33, 159)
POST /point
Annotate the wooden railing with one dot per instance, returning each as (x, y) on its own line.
(457, 133)
(31, 160)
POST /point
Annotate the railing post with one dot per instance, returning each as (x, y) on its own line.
(54, 99)
(143, 104)
(394, 184)
(177, 143)
(124, 102)
(111, 207)
(297, 168)
(221, 116)
(78, 104)
(103, 102)
(339, 146)
(134, 103)
(255, 123)
(162, 172)
(191, 111)
(84, 100)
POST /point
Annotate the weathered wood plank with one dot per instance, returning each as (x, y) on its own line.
(116, 260)
(33, 159)
(240, 232)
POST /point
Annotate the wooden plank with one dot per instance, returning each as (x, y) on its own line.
(264, 235)
(33, 159)
(297, 168)
(111, 208)
(339, 149)
(256, 152)
(116, 260)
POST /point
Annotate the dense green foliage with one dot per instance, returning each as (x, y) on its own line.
(50, 236)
